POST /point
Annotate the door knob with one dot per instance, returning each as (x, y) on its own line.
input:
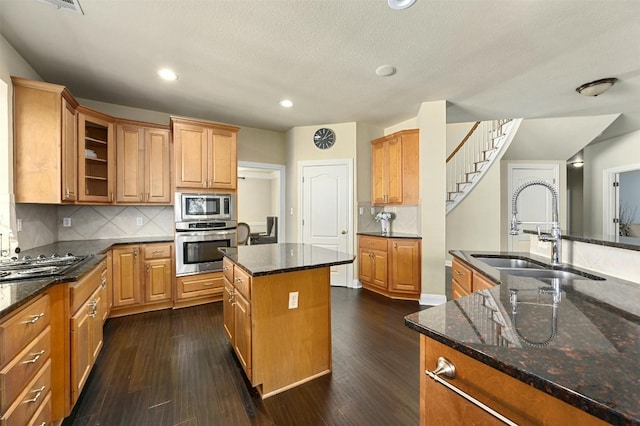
(344, 231)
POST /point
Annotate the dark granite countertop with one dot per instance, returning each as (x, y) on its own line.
(584, 351)
(267, 259)
(14, 294)
(622, 242)
(389, 235)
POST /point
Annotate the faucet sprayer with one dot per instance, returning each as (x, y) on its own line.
(556, 237)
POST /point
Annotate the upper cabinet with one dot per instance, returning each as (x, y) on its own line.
(95, 156)
(205, 155)
(395, 169)
(143, 159)
(45, 143)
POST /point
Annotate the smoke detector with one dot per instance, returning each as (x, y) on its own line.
(73, 5)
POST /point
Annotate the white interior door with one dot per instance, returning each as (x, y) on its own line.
(534, 202)
(327, 196)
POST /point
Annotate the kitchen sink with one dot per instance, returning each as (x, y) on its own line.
(508, 262)
(563, 274)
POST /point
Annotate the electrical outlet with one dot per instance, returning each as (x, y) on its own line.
(139, 221)
(373, 210)
(19, 225)
(361, 211)
(293, 300)
(66, 222)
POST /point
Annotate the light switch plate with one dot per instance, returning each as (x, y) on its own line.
(293, 300)
(139, 221)
(66, 222)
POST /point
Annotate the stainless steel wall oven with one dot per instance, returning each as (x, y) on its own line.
(204, 223)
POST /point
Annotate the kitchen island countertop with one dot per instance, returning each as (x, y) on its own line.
(268, 259)
(584, 353)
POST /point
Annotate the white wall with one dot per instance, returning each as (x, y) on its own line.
(630, 194)
(255, 202)
(616, 152)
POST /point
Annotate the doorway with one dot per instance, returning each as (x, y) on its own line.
(622, 204)
(326, 210)
(261, 197)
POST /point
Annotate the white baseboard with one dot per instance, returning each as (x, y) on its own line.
(432, 299)
(447, 263)
(355, 284)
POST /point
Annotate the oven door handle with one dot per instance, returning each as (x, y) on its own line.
(205, 233)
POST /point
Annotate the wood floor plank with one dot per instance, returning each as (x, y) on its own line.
(176, 368)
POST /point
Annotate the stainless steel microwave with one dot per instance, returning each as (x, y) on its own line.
(190, 207)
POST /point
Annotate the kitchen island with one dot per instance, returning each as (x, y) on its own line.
(533, 354)
(277, 312)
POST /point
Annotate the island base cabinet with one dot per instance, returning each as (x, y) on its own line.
(513, 399)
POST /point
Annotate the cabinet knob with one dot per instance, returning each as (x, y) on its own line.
(147, 266)
(135, 253)
(344, 231)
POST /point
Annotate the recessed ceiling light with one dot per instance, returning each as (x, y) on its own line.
(167, 74)
(286, 103)
(400, 4)
(597, 87)
(385, 70)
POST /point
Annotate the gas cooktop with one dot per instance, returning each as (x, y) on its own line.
(41, 266)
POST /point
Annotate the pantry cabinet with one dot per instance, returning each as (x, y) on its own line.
(45, 148)
(96, 156)
(390, 266)
(395, 169)
(205, 155)
(143, 160)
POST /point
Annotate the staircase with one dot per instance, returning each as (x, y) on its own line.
(473, 157)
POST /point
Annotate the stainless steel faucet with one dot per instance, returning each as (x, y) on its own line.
(556, 237)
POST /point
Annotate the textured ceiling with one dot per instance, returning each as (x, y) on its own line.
(237, 58)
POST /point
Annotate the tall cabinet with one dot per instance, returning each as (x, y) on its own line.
(205, 155)
(45, 143)
(395, 169)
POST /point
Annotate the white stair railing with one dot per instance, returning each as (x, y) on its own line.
(474, 156)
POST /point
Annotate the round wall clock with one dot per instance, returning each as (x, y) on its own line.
(324, 138)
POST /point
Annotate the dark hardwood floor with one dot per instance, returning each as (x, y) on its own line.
(176, 368)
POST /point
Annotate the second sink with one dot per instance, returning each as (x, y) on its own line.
(550, 273)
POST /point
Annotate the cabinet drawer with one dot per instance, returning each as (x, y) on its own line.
(242, 282)
(480, 282)
(80, 291)
(30, 400)
(23, 327)
(373, 243)
(462, 275)
(200, 285)
(23, 367)
(227, 269)
(157, 251)
(44, 414)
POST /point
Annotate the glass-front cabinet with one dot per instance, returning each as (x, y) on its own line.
(96, 156)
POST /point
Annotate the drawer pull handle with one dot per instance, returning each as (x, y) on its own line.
(34, 318)
(158, 251)
(457, 272)
(36, 357)
(38, 393)
(225, 268)
(448, 370)
(238, 280)
(208, 283)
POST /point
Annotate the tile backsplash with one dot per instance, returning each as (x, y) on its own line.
(44, 224)
(405, 218)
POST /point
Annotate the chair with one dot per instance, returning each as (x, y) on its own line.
(243, 233)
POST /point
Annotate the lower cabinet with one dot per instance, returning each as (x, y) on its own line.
(197, 289)
(390, 266)
(511, 398)
(25, 374)
(142, 277)
(237, 313)
(88, 304)
(464, 280)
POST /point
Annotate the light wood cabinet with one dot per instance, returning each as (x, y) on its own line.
(126, 276)
(395, 169)
(87, 299)
(158, 265)
(516, 400)
(25, 364)
(205, 155)
(96, 156)
(199, 288)
(143, 278)
(45, 146)
(464, 280)
(390, 266)
(143, 159)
